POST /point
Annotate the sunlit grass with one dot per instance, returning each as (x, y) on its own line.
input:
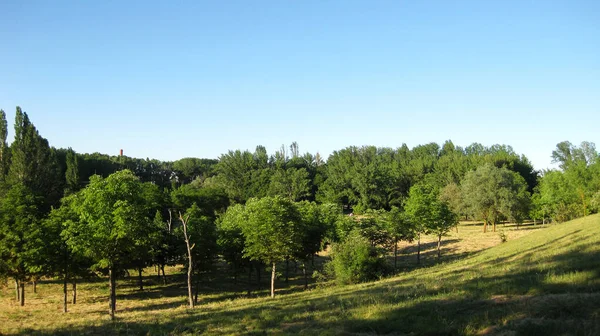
(540, 282)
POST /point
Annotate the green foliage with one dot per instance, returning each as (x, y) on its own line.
(202, 233)
(490, 192)
(230, 239)
(112, 219)
(21, 239)
(355, 260)
(72, 172)
(292, 183)
(271, 229)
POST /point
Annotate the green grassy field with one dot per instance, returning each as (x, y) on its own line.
(541, 282)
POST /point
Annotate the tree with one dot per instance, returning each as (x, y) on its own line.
(291, 183)
(271, 231)
(61, 259)
(112, 215)
(490, 192)
(230, 239)
(72, 172)
(313, 229)
(31, 185)
(399, 227)
(33, 163)
(20, 236)
(4, 148)
(418, 207)
(443, 219)
(189, 247)
(202, 233)
(429, 214)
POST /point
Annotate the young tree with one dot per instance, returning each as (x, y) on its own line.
(230, 239)
(189, 247)
(61, 260)
(399, 227)
(201, 233)
(418, 207)
(271, 231)
(313, 229)
(112, 214)
(443, 219)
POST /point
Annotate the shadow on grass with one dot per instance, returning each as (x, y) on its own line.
(556, 295)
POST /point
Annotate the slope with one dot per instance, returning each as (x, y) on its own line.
(545, 283)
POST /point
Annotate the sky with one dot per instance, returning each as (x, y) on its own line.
(168, 80)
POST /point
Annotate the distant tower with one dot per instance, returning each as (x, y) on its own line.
(121, 152)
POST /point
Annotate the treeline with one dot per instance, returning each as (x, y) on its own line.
(73, 216)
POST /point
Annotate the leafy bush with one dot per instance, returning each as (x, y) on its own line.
(355, 260)
(503, 236)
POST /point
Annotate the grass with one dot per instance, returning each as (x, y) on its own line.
(540, 282)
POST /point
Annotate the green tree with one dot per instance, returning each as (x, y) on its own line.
(72, 173)
(292, 183)
(399, 227)
(112, 215)
(271, 231)
(490, 192)
(20, 236)
(418, 207)
(230, 239)
(202, 234)
(60, 258)
(4, 149)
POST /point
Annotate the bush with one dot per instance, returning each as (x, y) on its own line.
(355, 260)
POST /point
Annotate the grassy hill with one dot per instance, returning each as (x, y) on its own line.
(544, 283)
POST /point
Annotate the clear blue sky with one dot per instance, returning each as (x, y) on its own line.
(199, 78)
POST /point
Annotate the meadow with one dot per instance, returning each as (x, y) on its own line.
(543, 281)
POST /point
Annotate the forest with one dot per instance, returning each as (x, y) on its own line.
(76, 216)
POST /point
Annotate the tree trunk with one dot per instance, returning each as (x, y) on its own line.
(112, 301)
(234, 265)
(65, 293)
(287, 271)
(305, 275)
(250, 280)
(494, 225)
(140, 279)
(258, 274)
(74, 291)
(273, 281)
(17, 291)
(395, 253)
(189, 279)
(35, 286)
(22, 284)
(184, 221)
(158, 271)
(485, 223)
(439, 246)
(419, 250)
(162, 267)
(197, 287)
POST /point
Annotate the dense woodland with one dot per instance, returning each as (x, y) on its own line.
(73, 216)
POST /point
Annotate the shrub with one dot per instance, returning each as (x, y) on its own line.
(355, 260)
